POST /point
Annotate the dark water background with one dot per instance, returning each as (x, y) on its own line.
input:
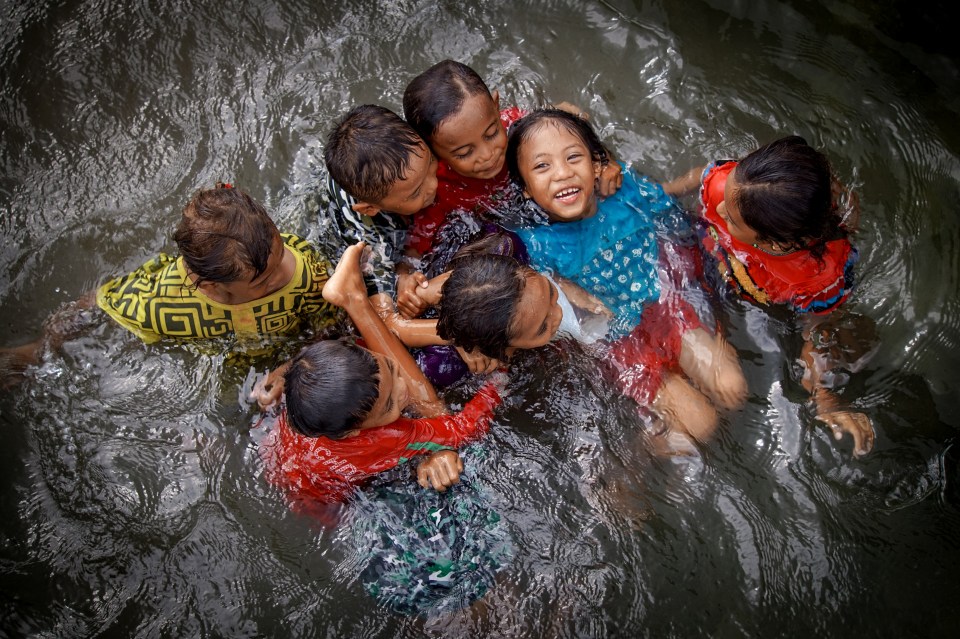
(132, 502)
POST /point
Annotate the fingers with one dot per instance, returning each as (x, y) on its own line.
(477, 362)
(409, 306)
(440, 471)
(611, 179)
(858, 425)
(409, 302)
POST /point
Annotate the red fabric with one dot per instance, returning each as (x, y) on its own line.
(457, 192)
(320, 469)
(797, 279)
(640, 359)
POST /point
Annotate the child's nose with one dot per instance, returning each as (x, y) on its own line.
(564, 170)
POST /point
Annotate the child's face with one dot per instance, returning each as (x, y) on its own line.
(417, 189)
(473, 141)
(559, 173)
(730, 212)
(538, 314)
(393, 395)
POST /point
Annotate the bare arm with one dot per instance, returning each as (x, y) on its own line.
(345, 289)
(686, 183)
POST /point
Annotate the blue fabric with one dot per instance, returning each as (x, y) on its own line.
(613, 254)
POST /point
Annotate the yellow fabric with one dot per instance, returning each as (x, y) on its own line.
(158, 300)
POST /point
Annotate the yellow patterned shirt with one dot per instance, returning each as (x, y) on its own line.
(158, 300)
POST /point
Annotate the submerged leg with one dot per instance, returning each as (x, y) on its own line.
(714, 367)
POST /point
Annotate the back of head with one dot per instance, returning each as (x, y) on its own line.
(330, 388)
(439, 92)
(535, 121)
(479, 301)
(225, 235)
(784, 194)
(369, 150)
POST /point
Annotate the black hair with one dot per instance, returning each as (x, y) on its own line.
(330, 387)
(479, 302)
(224, 235)
(522, 129)
(369, 150)
(439, 92)
(784, 193)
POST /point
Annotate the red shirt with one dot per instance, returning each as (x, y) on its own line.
(457, 192)
(797, 278)
(311, 469)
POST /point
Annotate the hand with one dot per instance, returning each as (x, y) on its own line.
(268, 390)
(441, 470)
(572, 109)
(477, 362)
(611, 179)
(857, 424)
(499, 379)
(409, 302)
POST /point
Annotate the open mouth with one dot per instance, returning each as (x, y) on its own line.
(567, 195)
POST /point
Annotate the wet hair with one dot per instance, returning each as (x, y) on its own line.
(522, 129)
(785, 195)
(438, 93)
(225, 235)
(369, 150)
(479, 302)
(330, 387)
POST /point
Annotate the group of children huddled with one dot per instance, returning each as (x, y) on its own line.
(469, 232)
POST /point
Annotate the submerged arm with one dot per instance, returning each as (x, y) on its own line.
(816, 362)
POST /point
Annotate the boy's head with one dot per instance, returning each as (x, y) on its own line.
(381, 162)
(556, 158)
(451, 108)
(335, 387)
(497, 305)
(229, 243)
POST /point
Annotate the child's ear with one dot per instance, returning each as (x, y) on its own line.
(495, 96)
(526, 194)
(365, 208)
(597, 170)
(207, 287)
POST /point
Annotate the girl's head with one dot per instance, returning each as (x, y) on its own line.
(781, 195)
(497, 305)
(334, 387)
(228, 242)
(451, 108)
(556, 158)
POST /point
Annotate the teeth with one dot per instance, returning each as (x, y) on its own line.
(567, 192)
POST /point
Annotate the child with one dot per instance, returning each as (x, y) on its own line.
(778, 238)
(381, 173)
(236, 276)
(662, 357)
(455, 112)
(343, 422)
